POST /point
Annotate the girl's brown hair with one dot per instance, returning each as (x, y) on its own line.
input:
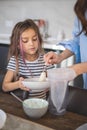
(80, 10)
(18, 29)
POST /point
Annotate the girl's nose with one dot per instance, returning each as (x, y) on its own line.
(30, 42)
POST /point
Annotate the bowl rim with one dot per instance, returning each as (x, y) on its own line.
(25, 105)
(35, 78)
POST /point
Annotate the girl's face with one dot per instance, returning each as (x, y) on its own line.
(29, 42)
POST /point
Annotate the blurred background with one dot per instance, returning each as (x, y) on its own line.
(58, 15)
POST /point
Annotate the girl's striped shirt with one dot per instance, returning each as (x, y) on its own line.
(29, 69)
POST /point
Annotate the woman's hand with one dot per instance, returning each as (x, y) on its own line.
(52, 58)
(21, 86)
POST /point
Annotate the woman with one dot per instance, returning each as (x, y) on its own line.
(78, 45)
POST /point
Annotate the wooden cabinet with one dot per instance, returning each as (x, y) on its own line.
(3, 61)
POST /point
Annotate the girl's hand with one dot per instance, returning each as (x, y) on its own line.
(21, 86)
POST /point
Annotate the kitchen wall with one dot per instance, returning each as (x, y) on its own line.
(58, 13)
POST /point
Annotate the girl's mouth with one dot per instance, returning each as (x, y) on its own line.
(32, 49)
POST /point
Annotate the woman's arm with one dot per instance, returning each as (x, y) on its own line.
(53, 58)
(65, 54)
(80, 68)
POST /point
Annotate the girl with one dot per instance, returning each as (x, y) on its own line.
(25, 57)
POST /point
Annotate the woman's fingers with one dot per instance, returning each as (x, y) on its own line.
(49, 58)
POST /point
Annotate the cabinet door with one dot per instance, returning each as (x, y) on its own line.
(3, 56)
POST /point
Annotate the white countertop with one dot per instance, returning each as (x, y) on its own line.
(52, 45)
(4, 39)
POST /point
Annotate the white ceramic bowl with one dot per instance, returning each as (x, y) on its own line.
(2, 118)
(34, 83)
(35, 107)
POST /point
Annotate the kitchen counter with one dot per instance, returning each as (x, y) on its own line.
(53, 45)
(4, 38)
(69, 121)
(17, 123)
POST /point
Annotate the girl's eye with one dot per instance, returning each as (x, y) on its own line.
(24, 41)
(34, 39)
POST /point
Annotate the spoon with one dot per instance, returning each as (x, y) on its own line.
(16, 97)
